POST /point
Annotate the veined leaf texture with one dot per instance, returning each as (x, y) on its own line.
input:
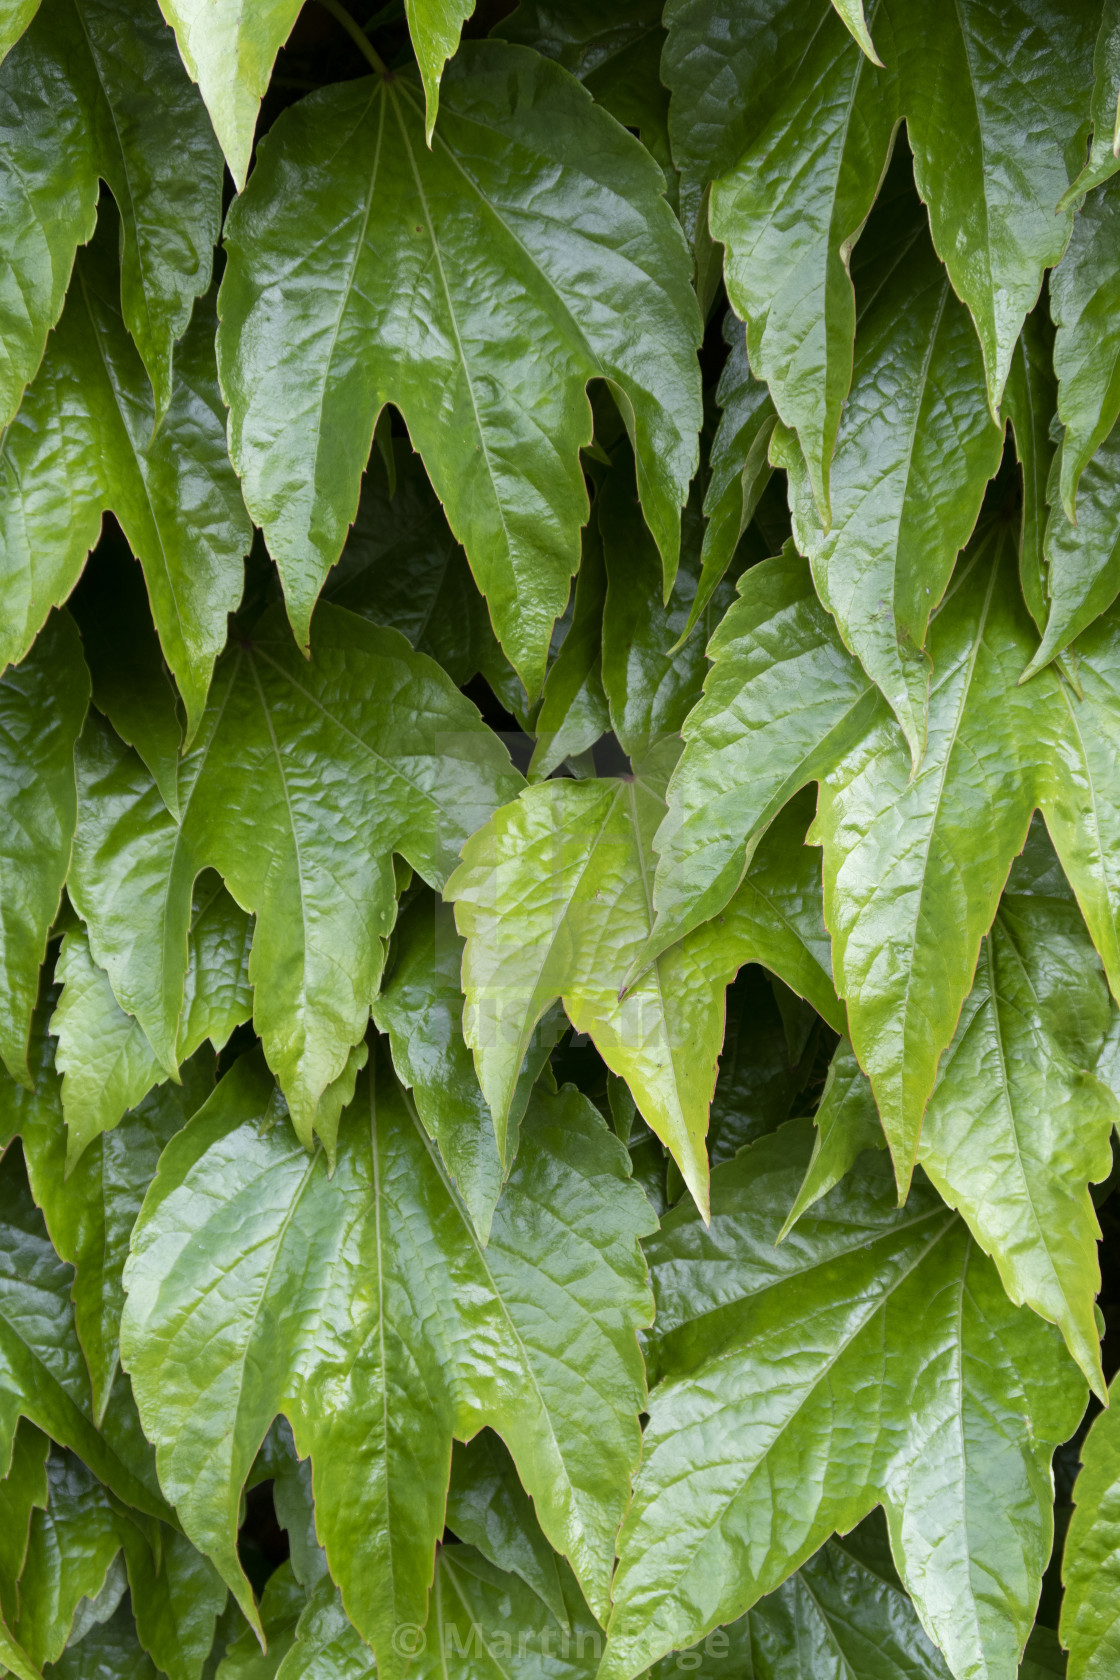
(559, 839)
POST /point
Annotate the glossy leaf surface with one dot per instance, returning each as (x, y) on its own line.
(1091, 1560)
(1083, 300)
(487, 1508)
(410, 319)
(271, 1337)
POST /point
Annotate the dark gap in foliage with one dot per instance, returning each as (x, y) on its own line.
(261, 1542)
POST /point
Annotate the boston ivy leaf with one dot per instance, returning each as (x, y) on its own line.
(488, 1508)
(1090, 1627)
(990, 180)
(487, 366)
(42, 707)
(176, 1599)
(781, 703)
(1083, 560)
(573, 712)
(95, 90)
(281, 1606)
(1029, 400)
(109, 1649)
(816, 128)
(72, 1546)
(915, 450)
(267, 1307)
(843, 1613)
(401, 567)
(1084, 300)
(83, 442)
(740, 464)
(229, 50)
(482, 1620)
(1104, 152)
(421, 1008)
(919, 1388)
(131, 682)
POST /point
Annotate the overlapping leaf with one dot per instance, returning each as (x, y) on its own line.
(95, 89)
(488, 1508)
(316, 1316)
(83, 443)
(1084, 301)
(1105, 105)
(416, 771)
(1091, 1560)
(921, 1389)
(487, 365)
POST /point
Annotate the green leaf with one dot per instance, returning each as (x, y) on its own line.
(918, 1387)
(95, 90)
(294, 1294)
(1105, 106)
(740, 464)
(1090, 1627)
(281, 1605)
(72, 1546)
(573, 712)
(417, 771)
(1084, 559)
(22, 1491)
(327, 1646)
(843, 1613)
(488, 366)
(915, 450)
(482, 1620)
(488, 1508)
(176, 1600)
(847, 1123)
(109, 1650)
(814, 135)
(1043, 1657)
(42, 707)
(759, 1073)
(402, 568)
(229, 50)
(1084, 299)
(989, 179)
(15, 15)
(132, 686)
(1029, 400)
(782, 702)
(84, 442)
(854, 20)
(435, 27)
(420, 1007)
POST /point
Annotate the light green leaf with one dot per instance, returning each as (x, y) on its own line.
(740, 463)
(83, 443)
(435, 27)
(783, 701)
(229, 50)
(1090, 1627)
(132, 686)
(990, 179)
(42, 707)
(920, 1388)
(915, 450)
(488, 366)
(1029, 400)
(421, 1008)
(15, 15)
(95, 90)
(417, 771)
(842, 1614)
(275, 1302)
(402, 568)
(1104, 108)
(573, 712)
(488, 1508)
(854, 20)
(1084, 298)
(72, 1546)
(815, 127)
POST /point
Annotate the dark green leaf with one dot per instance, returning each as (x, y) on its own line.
(72, 1547)
(23, 1490)
(1105, 106)
(108, 1651)
(573, 712)
(487, 1507)
(1029, 401)
(1084, 298)
(487, 366)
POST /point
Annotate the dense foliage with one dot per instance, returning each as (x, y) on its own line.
(559, 839)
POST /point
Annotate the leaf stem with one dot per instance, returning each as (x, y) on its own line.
(342, 16)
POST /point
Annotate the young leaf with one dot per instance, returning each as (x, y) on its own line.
(488, 1508)
(818, 122)
(989, 180)
(488, 366)
(435, 27)
(1084, 301)
(84, 440)
(42, 708)
(421, 1008)
(269, 1306)
(783, 701)
(918, 1387)
(914, 453)
(229, 50)
(1090, 1627)
(95, 90)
